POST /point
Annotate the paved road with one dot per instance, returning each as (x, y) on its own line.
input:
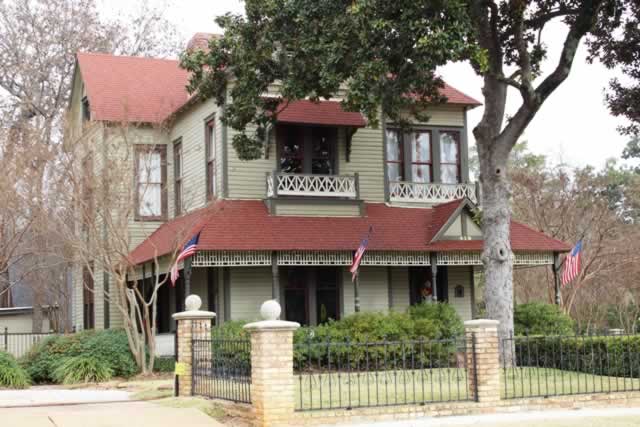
(122, 414)
(610, 417)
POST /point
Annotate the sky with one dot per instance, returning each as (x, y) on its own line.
(573, 127)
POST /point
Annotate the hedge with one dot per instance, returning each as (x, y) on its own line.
(11, 373)
(617, 356)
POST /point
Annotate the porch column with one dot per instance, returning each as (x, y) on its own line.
(275, 277)
(556, 277)
(356, 292)
(187, 276)
(433, 257)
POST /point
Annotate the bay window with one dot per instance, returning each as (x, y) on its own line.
(151, 176)
(395, 156)
(420, 142)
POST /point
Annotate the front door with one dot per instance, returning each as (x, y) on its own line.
(311, 294)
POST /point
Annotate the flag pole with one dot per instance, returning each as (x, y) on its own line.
(556, 276)
(187, 277)
(356, 292)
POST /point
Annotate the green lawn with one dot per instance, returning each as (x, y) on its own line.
(332, 390)
(529, 382)
(323, 390)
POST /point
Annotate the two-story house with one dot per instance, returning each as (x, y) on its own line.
(285, 226)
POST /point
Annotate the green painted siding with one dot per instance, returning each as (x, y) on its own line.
(247, 179)
(250, 287)
(366, 159)
(315, 209)
(461, 275)
(400, 288)
(374, 293)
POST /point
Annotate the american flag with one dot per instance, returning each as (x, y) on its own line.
(572, 264)
(357, 257)
(188, 250)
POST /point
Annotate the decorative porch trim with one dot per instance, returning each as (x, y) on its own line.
(231, 258)
(533, 258)
(315, 258)
(372, 258)
(459, 258)
(474, 258)
(398, 258)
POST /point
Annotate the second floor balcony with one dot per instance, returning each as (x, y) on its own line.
(430, 193)
(312, 185)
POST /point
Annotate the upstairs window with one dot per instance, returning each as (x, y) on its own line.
(210, 154)
(177, 173)
(307, 150)
(450, 157)
(420, 142)
(151, 174)
(395, 156)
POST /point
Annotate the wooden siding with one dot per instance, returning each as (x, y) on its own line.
(461, 275)
(249, 288)
(445, 115)
(400, 288)
(247, 179)
(374, 293)
(190, 127)
(316, 209)
(366, 159)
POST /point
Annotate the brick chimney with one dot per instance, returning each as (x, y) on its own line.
(201, 41)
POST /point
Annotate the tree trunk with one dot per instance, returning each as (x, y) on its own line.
(496, 217)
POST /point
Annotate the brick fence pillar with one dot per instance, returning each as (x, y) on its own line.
(192, 324)
(272, 385)
(484, 365)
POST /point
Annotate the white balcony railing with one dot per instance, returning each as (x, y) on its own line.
(285, 184)
(421, 192)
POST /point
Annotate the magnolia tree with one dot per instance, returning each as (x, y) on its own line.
(384, 56)
(98, 230)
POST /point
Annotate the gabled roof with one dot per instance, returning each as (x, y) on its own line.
(246, 225)
(132, 89)
(148, 90)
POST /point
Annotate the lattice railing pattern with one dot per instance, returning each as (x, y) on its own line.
(422, 192)
(459, 258)
(312, 185)
(231, 258)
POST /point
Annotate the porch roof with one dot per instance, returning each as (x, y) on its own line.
(245, 225)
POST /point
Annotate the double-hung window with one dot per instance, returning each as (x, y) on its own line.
(210, 153)
(450, 157)
(177, 172)
(421, 166)
(151, 177)
(395, 155)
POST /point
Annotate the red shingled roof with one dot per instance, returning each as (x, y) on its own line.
(247, 225)
(132, 89)
(147, 90)
(328, 113)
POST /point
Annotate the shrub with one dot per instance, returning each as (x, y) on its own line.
(436, 321)
(541, 319)
(108, 346)
(11, 373)
(164, 364)
(82, 369)
(599, 355)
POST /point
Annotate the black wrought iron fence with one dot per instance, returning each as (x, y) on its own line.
(364, 374)
(541, 366)
(222, 368)
(20, 343)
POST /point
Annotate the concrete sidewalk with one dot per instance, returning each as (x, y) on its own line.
(610, 417)
(124, 414)
(38, 396)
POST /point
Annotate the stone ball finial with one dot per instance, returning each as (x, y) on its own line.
(193, 303)
(270, 310)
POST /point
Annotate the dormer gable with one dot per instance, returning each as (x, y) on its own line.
(458, 222)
